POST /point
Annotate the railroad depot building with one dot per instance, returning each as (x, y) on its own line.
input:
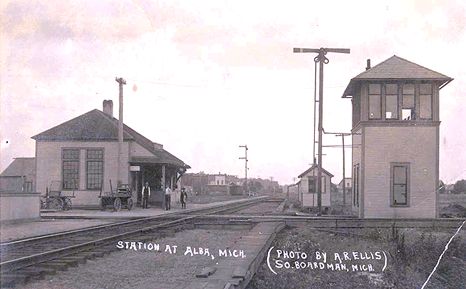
(307, 187)
(395, 127)
(82, 154)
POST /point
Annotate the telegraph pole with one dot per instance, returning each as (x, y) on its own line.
(321, 59)
(344, 181)
(245, 158)
(342, 134)
(121, 82)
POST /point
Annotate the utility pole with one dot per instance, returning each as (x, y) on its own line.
(245, 158)
(342, 134)
(321, 59)
(344, 178)
(121, 82)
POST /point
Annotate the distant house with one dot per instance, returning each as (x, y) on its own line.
(219, 180)
(395, 145)
(19, 176)
(307, 187)
(337, 198)
(347, 182)
(82, 154)
(202, 183)
(218, 184)
(18, 199)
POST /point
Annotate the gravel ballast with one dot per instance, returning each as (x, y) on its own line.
(144, 268)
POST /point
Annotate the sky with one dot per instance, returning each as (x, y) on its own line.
(204, 77)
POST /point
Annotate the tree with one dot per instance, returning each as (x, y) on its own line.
(460, 186)
(441, 187)
(334, 188)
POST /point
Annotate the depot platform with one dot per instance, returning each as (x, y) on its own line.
(62, 221)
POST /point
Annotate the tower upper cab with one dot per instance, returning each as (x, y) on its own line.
(396, 90)
(395, 140)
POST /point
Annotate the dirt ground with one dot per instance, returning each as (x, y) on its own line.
(143, 269)
(411, 255)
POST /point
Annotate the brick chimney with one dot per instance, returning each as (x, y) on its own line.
(368, 66)
(108, 107)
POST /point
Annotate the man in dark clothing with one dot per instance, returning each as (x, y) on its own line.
(183, 197)
(145, 195)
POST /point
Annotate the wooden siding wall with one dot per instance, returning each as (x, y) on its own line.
(310, 200)
(414, 144)
(49, 167)
(356, 159)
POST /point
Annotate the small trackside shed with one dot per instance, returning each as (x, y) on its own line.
(307, 187)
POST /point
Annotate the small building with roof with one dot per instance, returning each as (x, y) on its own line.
(395, 137)
(337, 197)
(18, 199)
(19, 176)
(82, 154)
(307, 187)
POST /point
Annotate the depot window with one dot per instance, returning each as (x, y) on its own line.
(94, 168)
(70, 168)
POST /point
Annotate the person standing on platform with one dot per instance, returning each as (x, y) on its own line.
(145, 195)
(168, 193)
(176, 194)
(183, 197)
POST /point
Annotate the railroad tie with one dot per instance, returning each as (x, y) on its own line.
(57, 265)
(240, 273)
(196, 285)
(11, 279)
(234, 282)
(206, 272)
(73, 258)
(32, 273)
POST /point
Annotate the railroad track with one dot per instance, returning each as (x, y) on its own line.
(340, 221)
(33, 258)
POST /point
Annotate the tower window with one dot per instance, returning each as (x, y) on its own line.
(425, 101)
(407, 109)
(391, 101)
(375, 101)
